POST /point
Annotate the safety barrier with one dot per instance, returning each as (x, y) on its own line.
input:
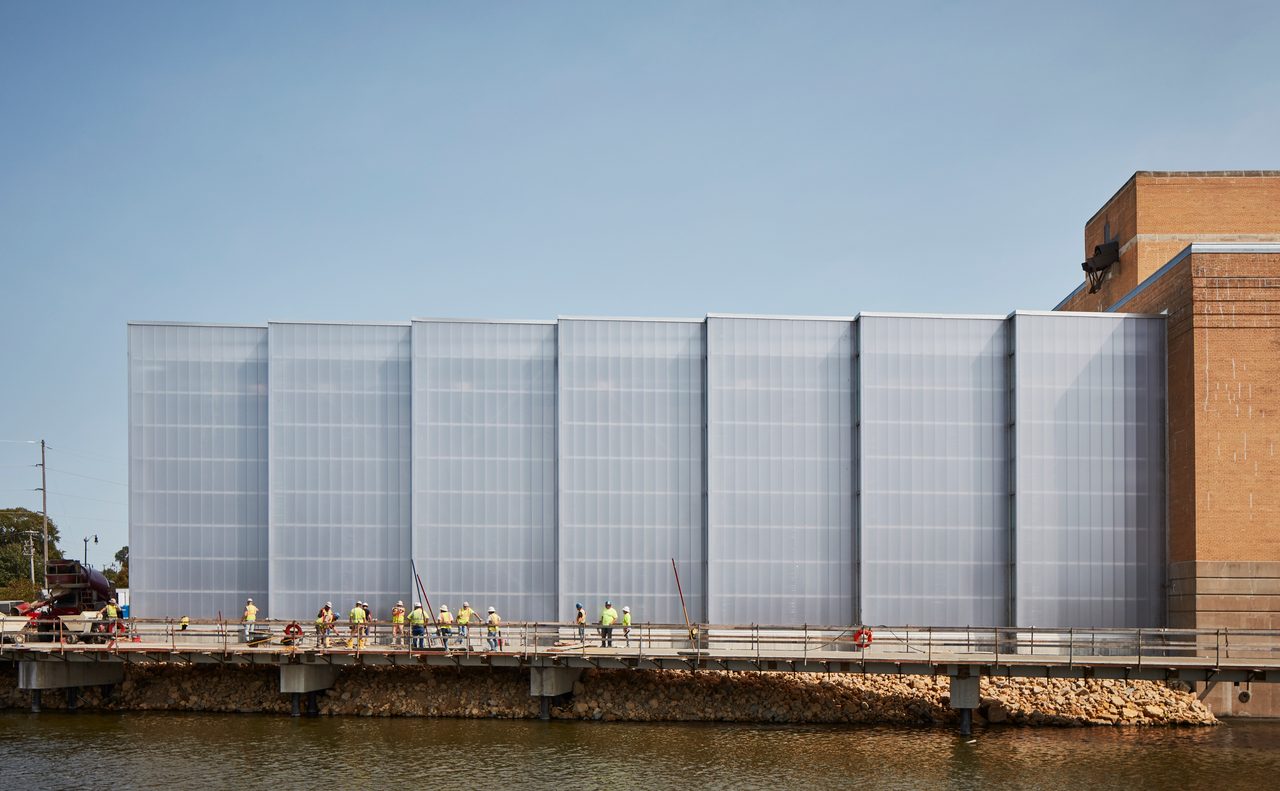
(761, 642)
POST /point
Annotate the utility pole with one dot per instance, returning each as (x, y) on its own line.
(44, 513)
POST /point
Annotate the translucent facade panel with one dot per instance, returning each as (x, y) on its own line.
(484, 465)
(1089, 426)
(197, 469)
(631, 490)
(933, 467)
(780, 477)
(340, 467)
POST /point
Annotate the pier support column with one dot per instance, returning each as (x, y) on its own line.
(299, 680)
(550, 682)
(73, 697)
(50, 674)
(35, 701)
(965, 697)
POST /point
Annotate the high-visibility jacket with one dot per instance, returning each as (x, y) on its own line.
(357, 615)
(464, 616)
(250, 612)
(418, 617)
(581, 617)
(445, 618)
(494, 622)
(184, 622)
(626, 619)
(110, 611)
(607, 616)
(397, 615)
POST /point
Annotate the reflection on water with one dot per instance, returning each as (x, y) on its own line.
(142, 750)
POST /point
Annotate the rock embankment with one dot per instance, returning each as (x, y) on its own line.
(612, 695)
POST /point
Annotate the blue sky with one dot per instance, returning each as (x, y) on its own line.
(244, 162)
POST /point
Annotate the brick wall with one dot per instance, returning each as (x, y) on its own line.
(1155, 215)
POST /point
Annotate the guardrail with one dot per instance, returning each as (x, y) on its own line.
(1212, 647)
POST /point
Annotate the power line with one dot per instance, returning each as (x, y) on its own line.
(82, 497)
(88, 518)
(61, 449)
(90, 477)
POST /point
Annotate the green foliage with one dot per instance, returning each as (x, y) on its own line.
(15, 568)
(118, 573)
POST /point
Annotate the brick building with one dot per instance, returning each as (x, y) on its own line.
(1204, 248)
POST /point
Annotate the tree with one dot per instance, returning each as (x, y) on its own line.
(15, 565)
(118, 573)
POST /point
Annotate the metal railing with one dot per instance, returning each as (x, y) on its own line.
(756, 642)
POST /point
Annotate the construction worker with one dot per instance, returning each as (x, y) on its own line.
(330, 622)
(494, 622)
(249, 617)
(580, 618)
(418, 626)
(397, 624)
(445, 621)
(183, 623)
(608, 617)
(357, 617)
(464, 620)
(626, 624)
(111, 614)
(322, 625)
(368, 620)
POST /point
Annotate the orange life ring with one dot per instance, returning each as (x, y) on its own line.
(294, 629)
(862, 638)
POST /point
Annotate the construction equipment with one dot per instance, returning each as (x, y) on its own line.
(72, 608)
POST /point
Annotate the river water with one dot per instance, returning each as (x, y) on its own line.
(212, 751)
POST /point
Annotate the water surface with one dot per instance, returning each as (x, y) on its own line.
(209, 751)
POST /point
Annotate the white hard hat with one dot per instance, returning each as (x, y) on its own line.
(444, 607)
(466, 604)
(417, 604)
(328, 604)
(248, 600)
(492, 610)
(399, 604)
(626, 609)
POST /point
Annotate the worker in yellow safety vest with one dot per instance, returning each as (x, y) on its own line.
(183, 623)
(357, 618)
(444, 623)
(464, 621)
(580, 618)
(608, 617)
(324, 624)
(111, 614)
(494, 622)
(626, 624)
(418, 626)
(250, 615)
(397, 624)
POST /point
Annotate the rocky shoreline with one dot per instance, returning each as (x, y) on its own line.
(642, 696)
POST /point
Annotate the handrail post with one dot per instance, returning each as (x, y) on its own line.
(929, 639)
(1071, 646)
(1217, 647)
(1139, 646)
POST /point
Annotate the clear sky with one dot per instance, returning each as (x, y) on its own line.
(244, 162)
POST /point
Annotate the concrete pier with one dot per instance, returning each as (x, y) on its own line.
(63, 675)
(306, 679)
(966, 696)
(547, 683)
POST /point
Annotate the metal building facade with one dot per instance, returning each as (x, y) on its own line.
(934, 471)
(780, 470)
(889, 469)
(197, 468)
(1089, 484)
(339, 472)
(484, 432)
(630, 454)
